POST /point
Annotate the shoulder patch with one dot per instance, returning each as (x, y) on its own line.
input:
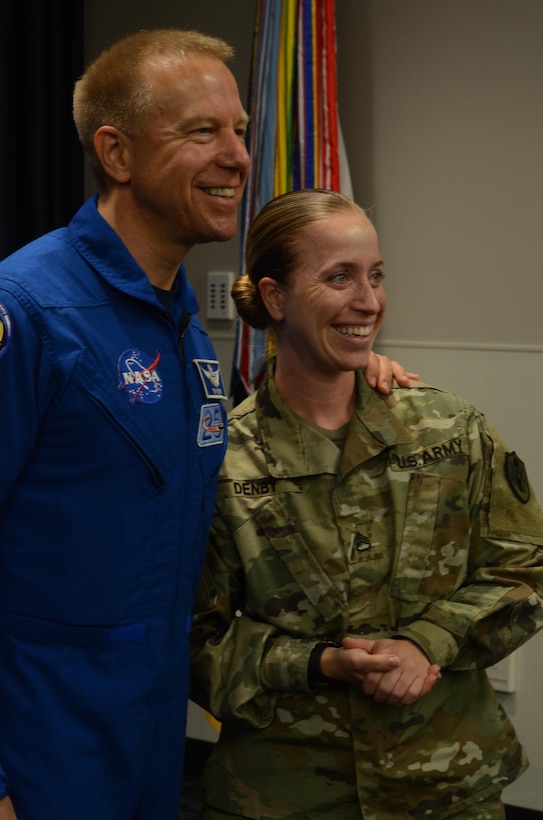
(515, 473)
(5, 330)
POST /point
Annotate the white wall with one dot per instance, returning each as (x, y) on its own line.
(441, 112)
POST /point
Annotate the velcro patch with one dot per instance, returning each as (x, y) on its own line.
(139, 376)
(211, 378)
(211, 428)
(515, 474)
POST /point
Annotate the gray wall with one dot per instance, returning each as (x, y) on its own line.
(441, 110)
(440, 105)
(447, 98)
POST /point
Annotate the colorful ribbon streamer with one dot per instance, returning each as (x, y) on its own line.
(294, 134)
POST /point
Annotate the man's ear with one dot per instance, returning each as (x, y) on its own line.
(273, 296)
(112, 149)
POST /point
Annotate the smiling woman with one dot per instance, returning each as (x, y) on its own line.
(326, 316)
(369, 557)
(315, 275)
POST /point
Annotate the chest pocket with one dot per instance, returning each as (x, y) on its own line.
(297, 540)
(433, 546)
(139, 426)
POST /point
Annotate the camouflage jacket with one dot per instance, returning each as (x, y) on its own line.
(425, 527)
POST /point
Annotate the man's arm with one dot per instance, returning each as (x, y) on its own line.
(27, 383)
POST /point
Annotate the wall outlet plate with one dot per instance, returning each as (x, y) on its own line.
(503, 675)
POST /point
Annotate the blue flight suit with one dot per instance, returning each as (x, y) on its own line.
(113, 432)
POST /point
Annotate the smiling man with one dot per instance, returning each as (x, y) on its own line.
(114, 431)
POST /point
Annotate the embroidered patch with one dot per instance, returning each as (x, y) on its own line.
(210, 375)
(359, 542)
(139, 376)
(5, 330)
(515, 473)
(439, 452)
(211, 426)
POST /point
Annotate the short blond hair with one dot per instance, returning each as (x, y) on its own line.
(114, 89)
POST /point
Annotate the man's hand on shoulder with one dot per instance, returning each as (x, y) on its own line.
(381, 370)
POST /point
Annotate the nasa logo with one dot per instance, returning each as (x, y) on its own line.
(139, 376)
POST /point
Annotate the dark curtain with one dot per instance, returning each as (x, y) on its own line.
(41, 161)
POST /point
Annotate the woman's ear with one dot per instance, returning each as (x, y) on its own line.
(272, 294)
(112, 149)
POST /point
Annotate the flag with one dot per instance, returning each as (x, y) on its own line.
(294, 137)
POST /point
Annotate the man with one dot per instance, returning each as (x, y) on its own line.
(113, 434)
(114, 431)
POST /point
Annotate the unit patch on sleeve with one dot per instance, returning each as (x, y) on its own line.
(210, 375)
(515, 473)
(5, 330)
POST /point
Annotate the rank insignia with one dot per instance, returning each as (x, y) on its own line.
(515, 473)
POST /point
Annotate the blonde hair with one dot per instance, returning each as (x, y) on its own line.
(114, 89)
(272, 246)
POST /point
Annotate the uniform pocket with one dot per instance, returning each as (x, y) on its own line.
(36, 630)
(300, 544)
(140, 431)
(433, 547)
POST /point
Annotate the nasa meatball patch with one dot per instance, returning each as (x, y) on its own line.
(139, 376)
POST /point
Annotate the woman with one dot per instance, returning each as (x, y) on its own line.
(360, 544)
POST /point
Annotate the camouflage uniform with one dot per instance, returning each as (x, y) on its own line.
(425, 527)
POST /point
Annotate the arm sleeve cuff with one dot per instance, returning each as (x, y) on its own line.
(439, 646)
(286, 664)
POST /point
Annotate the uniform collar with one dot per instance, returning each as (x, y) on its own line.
(101, 248)
(374, 427)
(295, 449)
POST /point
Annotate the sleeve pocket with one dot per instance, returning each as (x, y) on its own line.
(432, 555)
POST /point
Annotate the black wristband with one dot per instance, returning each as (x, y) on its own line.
(315, 676)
